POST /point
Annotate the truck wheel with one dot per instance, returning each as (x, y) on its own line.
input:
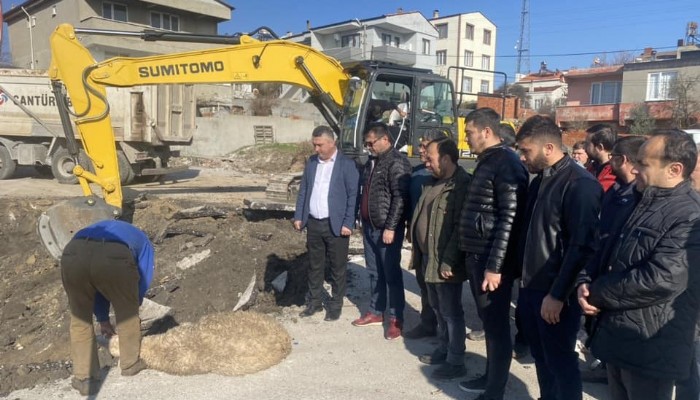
(126, 172)
(62, 165)
(7, 164)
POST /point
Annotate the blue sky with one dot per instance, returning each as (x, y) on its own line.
(556, 27)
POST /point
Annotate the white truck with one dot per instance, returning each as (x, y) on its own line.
(147, 120)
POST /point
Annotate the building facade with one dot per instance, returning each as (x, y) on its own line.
(31, 24)
(403, 38)
(465, 52)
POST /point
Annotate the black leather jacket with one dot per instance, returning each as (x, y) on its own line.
(650, 293)
(388, 191)
(560, 228)
(492, 215)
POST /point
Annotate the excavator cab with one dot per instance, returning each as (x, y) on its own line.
(409, 100)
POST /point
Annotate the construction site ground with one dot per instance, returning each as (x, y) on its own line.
(329, 360)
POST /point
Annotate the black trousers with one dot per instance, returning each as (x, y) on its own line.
(494, 309)
(427, 314)
(323, 245)
(627, 385)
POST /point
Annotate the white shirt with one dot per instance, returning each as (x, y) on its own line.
(318, 203)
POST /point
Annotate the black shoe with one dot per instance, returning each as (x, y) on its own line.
(597, 374)
(332, 315)
(419, 332)
(310, 310)
(433, 359)
(449, 371)
(520, 350)
(476, 336)
(477, 385)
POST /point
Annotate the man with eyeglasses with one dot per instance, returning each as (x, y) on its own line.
(616, 207)
(383, 209)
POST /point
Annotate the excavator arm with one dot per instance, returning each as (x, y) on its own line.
(75, 73)
(250, 61)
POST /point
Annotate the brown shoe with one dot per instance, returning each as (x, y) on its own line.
(394, 329)
(139, 366)
(369, 319)
(86, 387)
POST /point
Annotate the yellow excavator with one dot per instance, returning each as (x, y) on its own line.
(348, 96)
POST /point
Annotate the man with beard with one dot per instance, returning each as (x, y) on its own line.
(559, 234)
(435, 229)
(489, 229)
(420, 177)
(599, 143)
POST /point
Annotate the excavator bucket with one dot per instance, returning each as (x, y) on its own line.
(280, 195)
(58, 224)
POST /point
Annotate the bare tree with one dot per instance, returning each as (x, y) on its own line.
(642, 121)
(607, 59)
(685, 92)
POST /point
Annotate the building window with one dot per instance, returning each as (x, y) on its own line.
(485, 62)
(469, 32)
(466, 84)
(484, 86)
(165, 21)
(442, 31)
(397, 41)
(538, 103)
(659, 85)
(114, 11)
(606, 92)
(487, 37)
(426, 46)
(441, 57)
(350, 40)
(468, 58)
(386, 39)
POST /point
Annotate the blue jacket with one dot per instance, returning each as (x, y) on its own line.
(140, 246)
(342, 194)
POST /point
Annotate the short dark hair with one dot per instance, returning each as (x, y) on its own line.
(323, 130)
(580, 145)
(380, 129)
(602, 134)
(540, 127)
(507, 134)
(447, 146)
(678, 147)
(628, 146)
(434, 134)
(485, 117)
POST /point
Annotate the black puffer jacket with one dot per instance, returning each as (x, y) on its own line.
(388, 192)
(649, 296)
(493, 210)
(561, 228)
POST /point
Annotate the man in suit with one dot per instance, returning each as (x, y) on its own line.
(326, 206)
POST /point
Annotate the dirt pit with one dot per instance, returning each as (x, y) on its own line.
(34, 317)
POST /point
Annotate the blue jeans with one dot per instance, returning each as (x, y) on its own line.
(689, 389)
(446, 300)
(552, 346)
(384, 265)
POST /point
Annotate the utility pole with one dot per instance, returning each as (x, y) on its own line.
(524, 42)
(30, 23)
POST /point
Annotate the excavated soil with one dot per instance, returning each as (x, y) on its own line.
(34, 317)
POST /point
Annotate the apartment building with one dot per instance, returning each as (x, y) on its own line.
(465, 52)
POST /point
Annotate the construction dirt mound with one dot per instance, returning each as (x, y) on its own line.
(205, 259)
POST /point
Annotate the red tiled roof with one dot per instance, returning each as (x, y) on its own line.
(537, 77)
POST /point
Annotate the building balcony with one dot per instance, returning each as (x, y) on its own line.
(378, 53)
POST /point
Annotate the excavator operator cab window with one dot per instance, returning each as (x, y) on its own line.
(436, 106)
(389, 103)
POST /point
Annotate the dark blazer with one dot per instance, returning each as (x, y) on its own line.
(342, 194)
